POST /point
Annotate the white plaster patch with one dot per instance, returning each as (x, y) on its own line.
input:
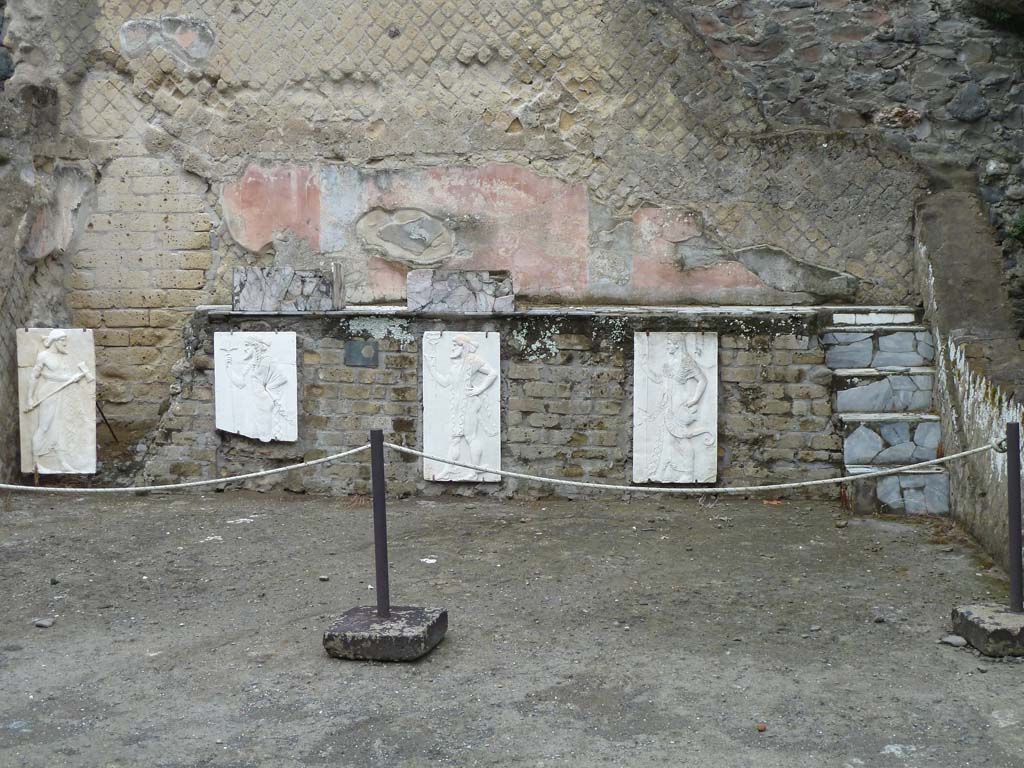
(899, 750)
(255, 385)
(1005, 718)
(57, 400)
(544, 346)
(380, 328)
(462, 404)
(873, 318)
(675, 407)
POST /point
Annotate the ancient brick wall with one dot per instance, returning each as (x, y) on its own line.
(630, 151)
(566, 396)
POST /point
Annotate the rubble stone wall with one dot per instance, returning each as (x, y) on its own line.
(566, 400)
(940, 79)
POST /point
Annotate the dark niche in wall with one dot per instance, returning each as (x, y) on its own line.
(6, 63)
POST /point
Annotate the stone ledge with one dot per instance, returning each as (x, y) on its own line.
(803, 312)
(993, 630)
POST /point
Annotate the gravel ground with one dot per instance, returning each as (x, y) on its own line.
(187, 632)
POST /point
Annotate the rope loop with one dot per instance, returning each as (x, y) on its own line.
(708, 495)
(192, 484)
(701, 491)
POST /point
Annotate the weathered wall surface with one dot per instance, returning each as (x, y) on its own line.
(566, 394)
(41, 204)
(940, 79)
(627, 151)
(598, 149)
(976, 352)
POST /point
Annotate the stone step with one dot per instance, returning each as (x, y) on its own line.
(903, 346)
(875, 390)
(876, 316)
(914, 328)
(906, 439)
(858, 418)
(915, 492)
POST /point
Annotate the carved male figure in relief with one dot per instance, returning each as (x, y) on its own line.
(58, 437)
(669, 410)
(259, 377)
(470, 421)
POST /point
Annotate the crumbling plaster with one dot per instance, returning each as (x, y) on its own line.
(43, 200)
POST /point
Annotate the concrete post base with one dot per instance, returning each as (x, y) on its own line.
(994, 630)
(406, 635)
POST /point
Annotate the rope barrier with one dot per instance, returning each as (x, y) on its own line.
(704, 490)
(998, 446)
(192, 484)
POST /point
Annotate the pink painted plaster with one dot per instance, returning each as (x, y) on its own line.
(266, 200)
(507, 217)
(657, 274)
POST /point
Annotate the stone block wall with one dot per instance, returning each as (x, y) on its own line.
(566, 395)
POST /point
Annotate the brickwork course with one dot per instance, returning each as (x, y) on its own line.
(803, 130)
(567, 391)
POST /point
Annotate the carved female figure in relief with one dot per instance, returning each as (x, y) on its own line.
(263, 381)
(61, 416)
(672, 407)
(467, 377)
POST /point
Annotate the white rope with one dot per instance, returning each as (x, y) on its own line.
(192, 484)
(704, 490)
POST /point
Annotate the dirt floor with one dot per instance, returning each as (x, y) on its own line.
(188, 629)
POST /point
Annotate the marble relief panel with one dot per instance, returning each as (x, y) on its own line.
(57, 400)
(255, 385)
(675, 408)
(461, 404)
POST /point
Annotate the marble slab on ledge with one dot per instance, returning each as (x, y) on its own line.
(283, 290)
(469, 291)
(57, 400)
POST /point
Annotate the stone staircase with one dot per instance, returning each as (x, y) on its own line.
(882, 365)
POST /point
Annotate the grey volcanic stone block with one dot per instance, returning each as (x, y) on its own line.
(898, 393)
(936, 494)
(862, 446)
(438, 290)
(993, 630)
(897, 360)
(406, 635)
(927, 435)
(281, 289)
(889, 493)
(896, 454)
(896, 342)
(897, 433)
(854, 355)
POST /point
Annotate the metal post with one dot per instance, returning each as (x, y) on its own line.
(380, 523)
(1013, 498)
